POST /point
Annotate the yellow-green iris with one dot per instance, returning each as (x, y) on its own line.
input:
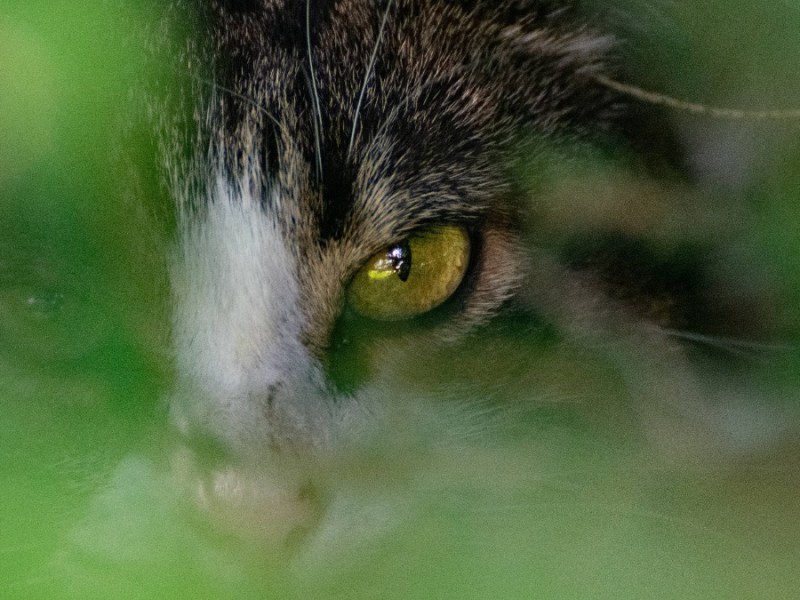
(412, 277)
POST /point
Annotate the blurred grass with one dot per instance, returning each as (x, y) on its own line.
(75, 385)
(577, 514)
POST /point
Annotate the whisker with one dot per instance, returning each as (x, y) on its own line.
(367, 75)
(694, 107)
(732, 345)
(317, 120)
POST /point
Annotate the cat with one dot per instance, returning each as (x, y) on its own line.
(333, 150)
(439, 295)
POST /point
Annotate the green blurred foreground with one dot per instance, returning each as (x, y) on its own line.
(555, 501)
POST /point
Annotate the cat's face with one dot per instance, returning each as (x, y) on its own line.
(338, 134)
(361, 254)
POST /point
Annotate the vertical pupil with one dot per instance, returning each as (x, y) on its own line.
(399, 256)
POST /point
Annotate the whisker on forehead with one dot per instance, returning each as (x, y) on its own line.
(367, 76)
(317, 117)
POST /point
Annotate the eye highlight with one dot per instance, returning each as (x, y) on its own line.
(414, 276)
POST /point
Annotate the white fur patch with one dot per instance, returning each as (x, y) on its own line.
(237, 320)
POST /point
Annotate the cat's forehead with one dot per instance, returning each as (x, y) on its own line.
(380, 117)
(364, 110)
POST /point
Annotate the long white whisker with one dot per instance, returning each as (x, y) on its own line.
(367, 75)
(314, 95)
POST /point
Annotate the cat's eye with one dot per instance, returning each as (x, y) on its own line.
(412, 277)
